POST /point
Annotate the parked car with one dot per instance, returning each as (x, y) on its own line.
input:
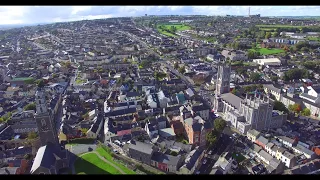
(210, 152)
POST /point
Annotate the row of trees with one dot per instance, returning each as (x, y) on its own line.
(297, 109)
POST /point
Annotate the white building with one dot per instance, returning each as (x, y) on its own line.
(269, 62)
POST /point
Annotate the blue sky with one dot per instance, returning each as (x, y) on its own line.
(47, 14)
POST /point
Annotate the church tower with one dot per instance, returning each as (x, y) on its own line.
(46, 127)
(223, 79)
(222, 85)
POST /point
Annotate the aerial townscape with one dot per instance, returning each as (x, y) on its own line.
(161, 94)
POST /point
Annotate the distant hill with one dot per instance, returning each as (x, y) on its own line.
(11, 26)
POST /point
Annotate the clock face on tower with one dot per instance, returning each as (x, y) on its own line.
(44, 126)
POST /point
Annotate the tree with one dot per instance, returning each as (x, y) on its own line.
(274, 78)
(219, 124)
(182, 70)
(306, 112)
(211, 138)
(32, 135)
(241, 71)
(40, 83)
(295, 108)
(268, 35)
(250, 54)
(125, 60)
(84, 131)
(234, 91)
(31, 106)
(280, 106)
(85, 116)
(54, 75)
(254, 77)
(176, 65)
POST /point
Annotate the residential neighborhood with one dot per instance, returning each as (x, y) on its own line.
(172, 94)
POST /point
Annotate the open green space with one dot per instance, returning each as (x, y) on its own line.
(91, 164)
(80, 81)
(314, 38)
(266, 51)
(166, 29)
(238, 157)
(107, 154)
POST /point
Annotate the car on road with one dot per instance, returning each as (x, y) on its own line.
(210, 152)
(204, 161)
(235, 135)
(198, 172)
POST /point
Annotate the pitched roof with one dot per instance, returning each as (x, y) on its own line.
(232, 99)
(263, 140)
(46, 157)
(141, 147)
(253, 132)
(165, 158)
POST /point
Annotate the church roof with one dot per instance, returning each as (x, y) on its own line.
(46, 157)
(232, 99)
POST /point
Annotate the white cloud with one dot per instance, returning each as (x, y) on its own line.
(76, 9)
(45, 14)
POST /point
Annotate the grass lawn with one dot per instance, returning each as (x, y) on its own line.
(179, 27)
(314, 38)
(238, 158)
(92, 164)
(265, 51)
(108, 156)
(80, 81)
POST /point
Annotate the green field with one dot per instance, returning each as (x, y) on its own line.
(313, 38)
(265, 51)
(179, 27)
(91, 164)
(108, 156)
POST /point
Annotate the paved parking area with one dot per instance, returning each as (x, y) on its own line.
(81, 148)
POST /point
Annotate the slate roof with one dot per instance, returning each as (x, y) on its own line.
(263, 140)
(141, 147)
(272, 88)
(284, 138)
(192, 158)
(232, 99)
(265, 155)
(121, 112)
(253, 132)
(199, 108)
(46, 157)
(165, 158)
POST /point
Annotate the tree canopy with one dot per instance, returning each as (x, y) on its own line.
(280, 106)
(31, 106)
(219, 124)
(211, 138)
(306, 112)
(254, 77)
(295, 74)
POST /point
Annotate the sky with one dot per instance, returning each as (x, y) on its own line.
(51, 14)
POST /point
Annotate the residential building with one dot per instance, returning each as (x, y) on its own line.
(167, 163)
(141, 151)
(253, 135)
